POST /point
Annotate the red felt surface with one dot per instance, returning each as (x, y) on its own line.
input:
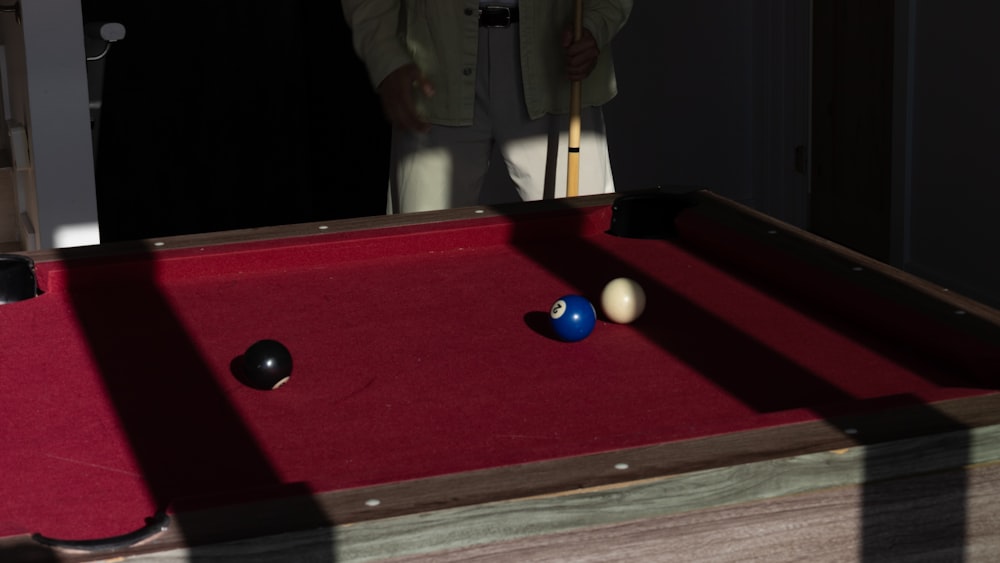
(418, 351)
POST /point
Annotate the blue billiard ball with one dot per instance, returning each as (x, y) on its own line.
(573, 317)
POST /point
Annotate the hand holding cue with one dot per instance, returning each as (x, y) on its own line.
(573, 158)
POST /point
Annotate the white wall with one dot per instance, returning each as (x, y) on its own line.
(48, 95)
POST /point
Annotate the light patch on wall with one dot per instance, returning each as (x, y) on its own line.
(77, 234)
(19, 146)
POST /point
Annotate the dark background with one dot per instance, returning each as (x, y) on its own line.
(241, 114)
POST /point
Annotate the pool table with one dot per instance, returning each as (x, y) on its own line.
(431, 412)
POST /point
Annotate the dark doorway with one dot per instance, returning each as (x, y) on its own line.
(852, 124)
(234, 115)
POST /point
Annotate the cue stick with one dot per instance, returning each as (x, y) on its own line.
(573, 157)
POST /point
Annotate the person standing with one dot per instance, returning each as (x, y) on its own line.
(458, 77)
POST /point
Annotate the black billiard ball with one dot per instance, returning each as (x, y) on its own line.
(267, 364)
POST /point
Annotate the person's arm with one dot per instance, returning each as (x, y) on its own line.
(602, 20)
(374, 28)
(605, 18)
(375, 34)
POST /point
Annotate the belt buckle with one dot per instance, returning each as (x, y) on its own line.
(502, 13)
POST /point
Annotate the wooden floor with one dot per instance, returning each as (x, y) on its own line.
(933, 498)
(896, 521)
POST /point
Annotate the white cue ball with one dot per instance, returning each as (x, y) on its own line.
(623, 300)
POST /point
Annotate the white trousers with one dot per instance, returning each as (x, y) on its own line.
(446, 167)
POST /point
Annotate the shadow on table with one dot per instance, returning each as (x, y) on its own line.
(176, 416)
(188, 440)
(709, 343)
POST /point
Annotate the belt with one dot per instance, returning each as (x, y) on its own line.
(497, 16)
